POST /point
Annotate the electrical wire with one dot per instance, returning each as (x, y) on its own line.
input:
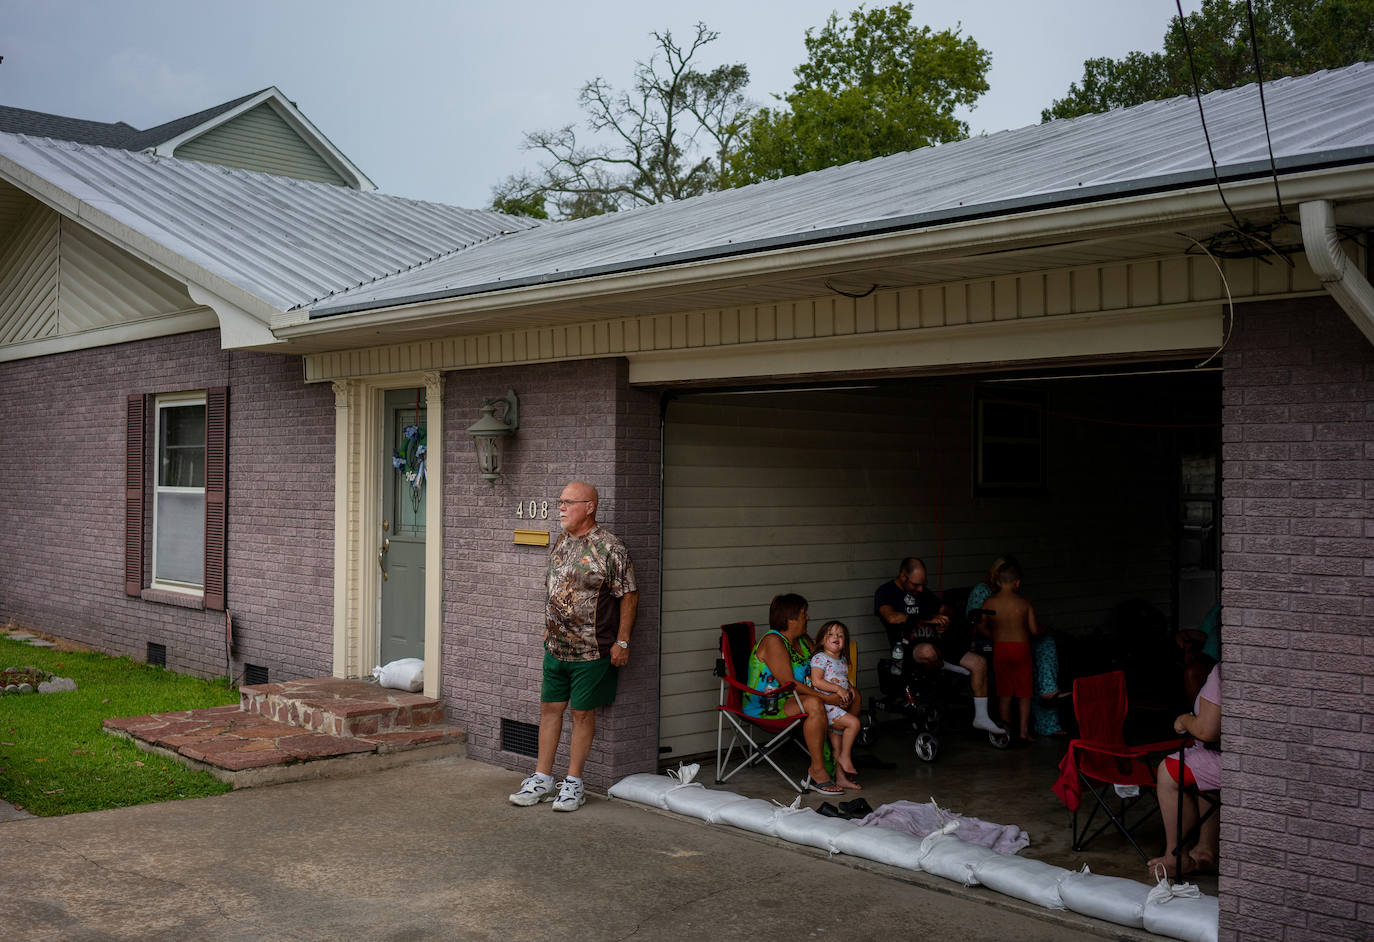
(1230, 305)
(1197, 93)
(1259, 80)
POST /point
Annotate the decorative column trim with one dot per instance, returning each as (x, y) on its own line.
(434, 529)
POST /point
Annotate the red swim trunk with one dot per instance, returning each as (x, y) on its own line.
(1011, 666)
(1171, 762)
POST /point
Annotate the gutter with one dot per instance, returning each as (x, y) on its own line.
(1339, 276)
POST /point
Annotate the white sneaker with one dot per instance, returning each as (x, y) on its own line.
(533, 790)
(570, 796)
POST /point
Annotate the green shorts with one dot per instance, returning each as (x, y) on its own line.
(585, 685)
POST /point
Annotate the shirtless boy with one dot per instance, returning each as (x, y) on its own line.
(1012, 625)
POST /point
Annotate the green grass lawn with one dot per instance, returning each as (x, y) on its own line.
(55, 758)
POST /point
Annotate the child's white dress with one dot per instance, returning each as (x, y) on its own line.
(837, 672)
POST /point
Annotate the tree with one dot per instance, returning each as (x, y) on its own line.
(668, 138)
(1295, 37)
(873, 85)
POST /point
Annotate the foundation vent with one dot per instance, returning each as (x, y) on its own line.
(254, 674)
(519, 738)
(157, 654)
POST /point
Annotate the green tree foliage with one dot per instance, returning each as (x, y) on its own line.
(1295, 37)
(667, 138)
(872, 85)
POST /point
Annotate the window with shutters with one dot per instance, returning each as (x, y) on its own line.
(180, 478)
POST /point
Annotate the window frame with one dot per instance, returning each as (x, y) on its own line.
(1035, 446)
(163, 402)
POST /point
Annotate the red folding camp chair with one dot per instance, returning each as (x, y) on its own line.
(736, 644)
(1100, 760)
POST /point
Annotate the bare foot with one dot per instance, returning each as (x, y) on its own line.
(844, 781)
(1027, 737)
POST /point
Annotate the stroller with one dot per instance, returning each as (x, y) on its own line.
(933, 700)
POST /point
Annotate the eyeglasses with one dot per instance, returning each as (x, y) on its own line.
(565, 503)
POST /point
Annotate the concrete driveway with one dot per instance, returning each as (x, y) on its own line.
(434, 851)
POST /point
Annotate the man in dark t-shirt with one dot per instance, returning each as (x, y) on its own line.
(909, 610)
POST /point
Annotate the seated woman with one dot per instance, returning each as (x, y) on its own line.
(782, 655)
(1202, 767)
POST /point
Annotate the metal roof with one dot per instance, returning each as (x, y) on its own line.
(1317, 120)
(285, 241)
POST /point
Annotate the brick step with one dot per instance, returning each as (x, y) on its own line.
(338, 707)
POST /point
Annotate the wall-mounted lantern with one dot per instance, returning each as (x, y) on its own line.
(489, 433)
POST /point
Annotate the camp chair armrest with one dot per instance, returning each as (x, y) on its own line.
(1127, 752)
(785, 688)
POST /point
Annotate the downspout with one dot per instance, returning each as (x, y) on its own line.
(1341, 278)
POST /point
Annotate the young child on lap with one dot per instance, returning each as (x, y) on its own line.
(1012, 625)
(830, 673)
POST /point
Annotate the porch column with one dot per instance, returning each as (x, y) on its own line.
(434, 528)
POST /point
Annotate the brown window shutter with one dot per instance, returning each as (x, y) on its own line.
(216, 492)
(133, 497)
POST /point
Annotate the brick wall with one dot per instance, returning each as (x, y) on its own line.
(577, 421)
(62, 505)
(1297, 832)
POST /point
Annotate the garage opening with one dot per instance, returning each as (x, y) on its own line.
(1103, 482)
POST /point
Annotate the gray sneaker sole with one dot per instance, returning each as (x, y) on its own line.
(523, 800)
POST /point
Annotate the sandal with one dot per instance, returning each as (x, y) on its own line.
(809, 784)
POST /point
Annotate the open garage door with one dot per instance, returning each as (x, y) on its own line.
(822, 490)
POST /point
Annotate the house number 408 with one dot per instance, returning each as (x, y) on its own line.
(532, 510)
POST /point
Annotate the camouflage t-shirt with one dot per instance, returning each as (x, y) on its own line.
(587, 576)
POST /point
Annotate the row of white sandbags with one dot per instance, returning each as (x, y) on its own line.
(1177, 912)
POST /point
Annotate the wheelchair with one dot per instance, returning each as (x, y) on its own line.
(933, 700)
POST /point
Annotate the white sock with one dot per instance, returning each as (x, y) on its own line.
(572, 780)
(981, 720)
(545, 779)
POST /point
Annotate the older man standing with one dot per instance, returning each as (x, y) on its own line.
(592, 601)
(910, 611)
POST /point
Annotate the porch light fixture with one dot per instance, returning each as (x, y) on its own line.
(489, 433)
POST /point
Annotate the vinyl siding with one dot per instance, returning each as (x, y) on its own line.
(28, 277)
(260, 139)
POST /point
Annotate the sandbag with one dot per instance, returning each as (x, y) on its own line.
(1115, 899)
(944, 855)
(809, 827)
(698, 801)
(1180, 911)
(644, 788)
(408, 674)
(751, 814)
(1031, 880)
(884, 845)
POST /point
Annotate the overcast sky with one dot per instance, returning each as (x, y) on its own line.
(431, 98)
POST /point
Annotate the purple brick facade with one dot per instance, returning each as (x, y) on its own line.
(1297, 832)
(578, 420)
(61, 497)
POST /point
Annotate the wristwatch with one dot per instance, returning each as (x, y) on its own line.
(624, 644)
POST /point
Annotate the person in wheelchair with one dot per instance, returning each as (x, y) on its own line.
(918, 625)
